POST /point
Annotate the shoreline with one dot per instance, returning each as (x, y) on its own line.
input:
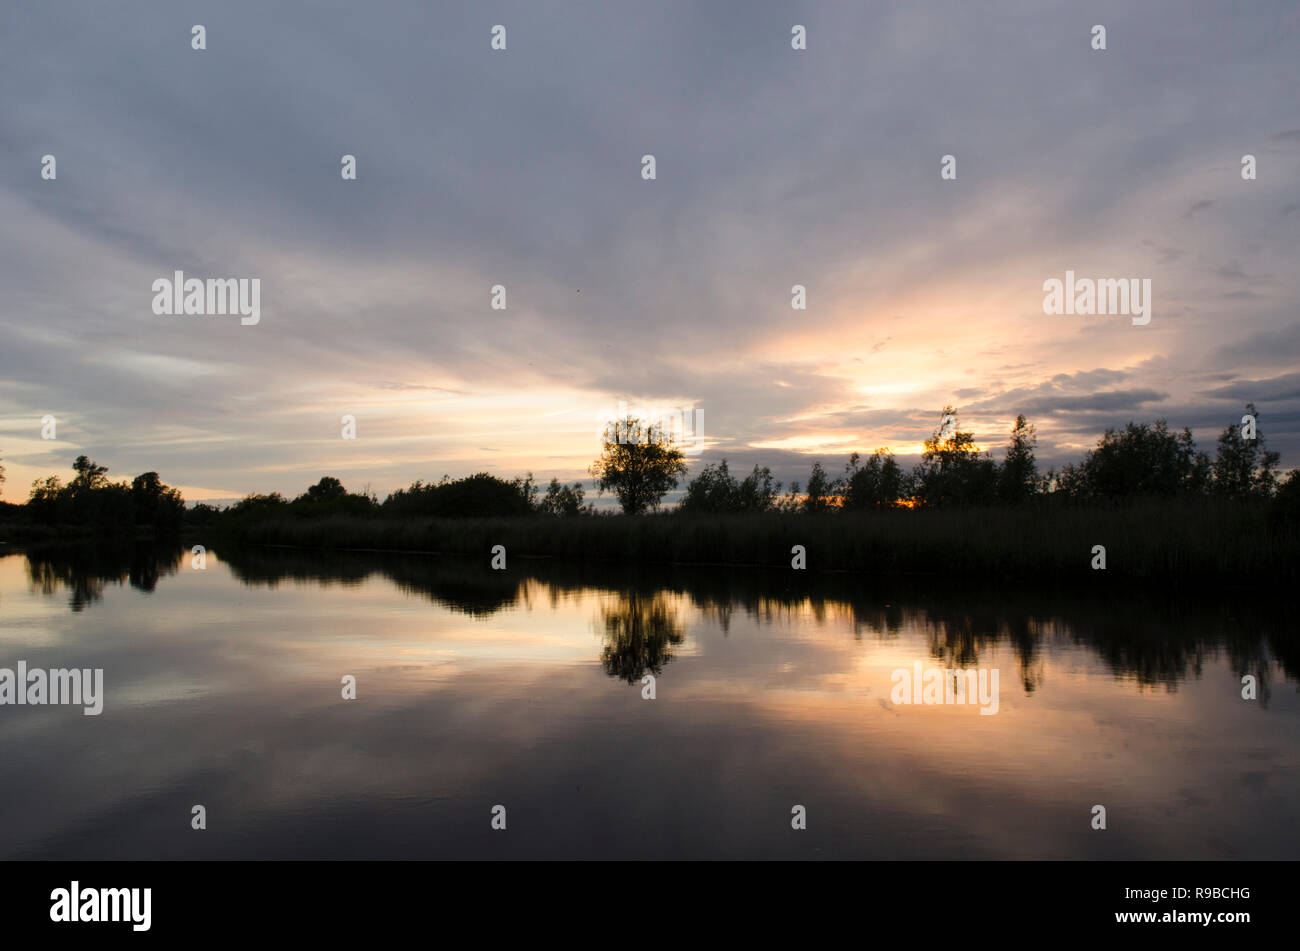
(1182, 540)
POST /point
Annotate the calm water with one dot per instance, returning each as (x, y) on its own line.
(523, 688)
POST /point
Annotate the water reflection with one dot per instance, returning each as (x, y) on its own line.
(1154, 637)
(85, 570)
(640, 634)
(522, 687)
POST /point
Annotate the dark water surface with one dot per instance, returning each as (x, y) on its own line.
(524, 688)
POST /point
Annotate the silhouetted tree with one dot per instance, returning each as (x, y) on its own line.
(757, 492)
(712, 490)
(953, 470)
(89, 475)
(715, 489)
(561, 499)
(201, 515)
(90, 500)
(328, 489)
(253, 503)
(1140, 460)
(1285, 507)
(639, 464)
(156, 504)
(49, 503)
(823, 491)
(878, 481)
(476, 496)
(1243, 468)
(1018, 476)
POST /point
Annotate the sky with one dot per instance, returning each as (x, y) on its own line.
(523, 168)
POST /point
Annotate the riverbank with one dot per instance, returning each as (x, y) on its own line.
(1181, 539)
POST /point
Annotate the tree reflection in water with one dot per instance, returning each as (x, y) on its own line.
(640, 632)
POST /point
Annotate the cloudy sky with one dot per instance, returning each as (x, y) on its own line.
(522, 167)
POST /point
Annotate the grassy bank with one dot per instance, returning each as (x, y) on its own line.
(21, 533)
(1156, 539)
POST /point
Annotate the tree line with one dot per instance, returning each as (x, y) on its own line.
(1141, 460)
(90, 499)
(480, 495)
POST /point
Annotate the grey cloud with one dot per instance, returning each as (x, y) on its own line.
(1285, 387)
(775, 168)
(1109, 401)
(1269, 347)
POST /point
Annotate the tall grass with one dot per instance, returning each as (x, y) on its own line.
(1151, 539)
